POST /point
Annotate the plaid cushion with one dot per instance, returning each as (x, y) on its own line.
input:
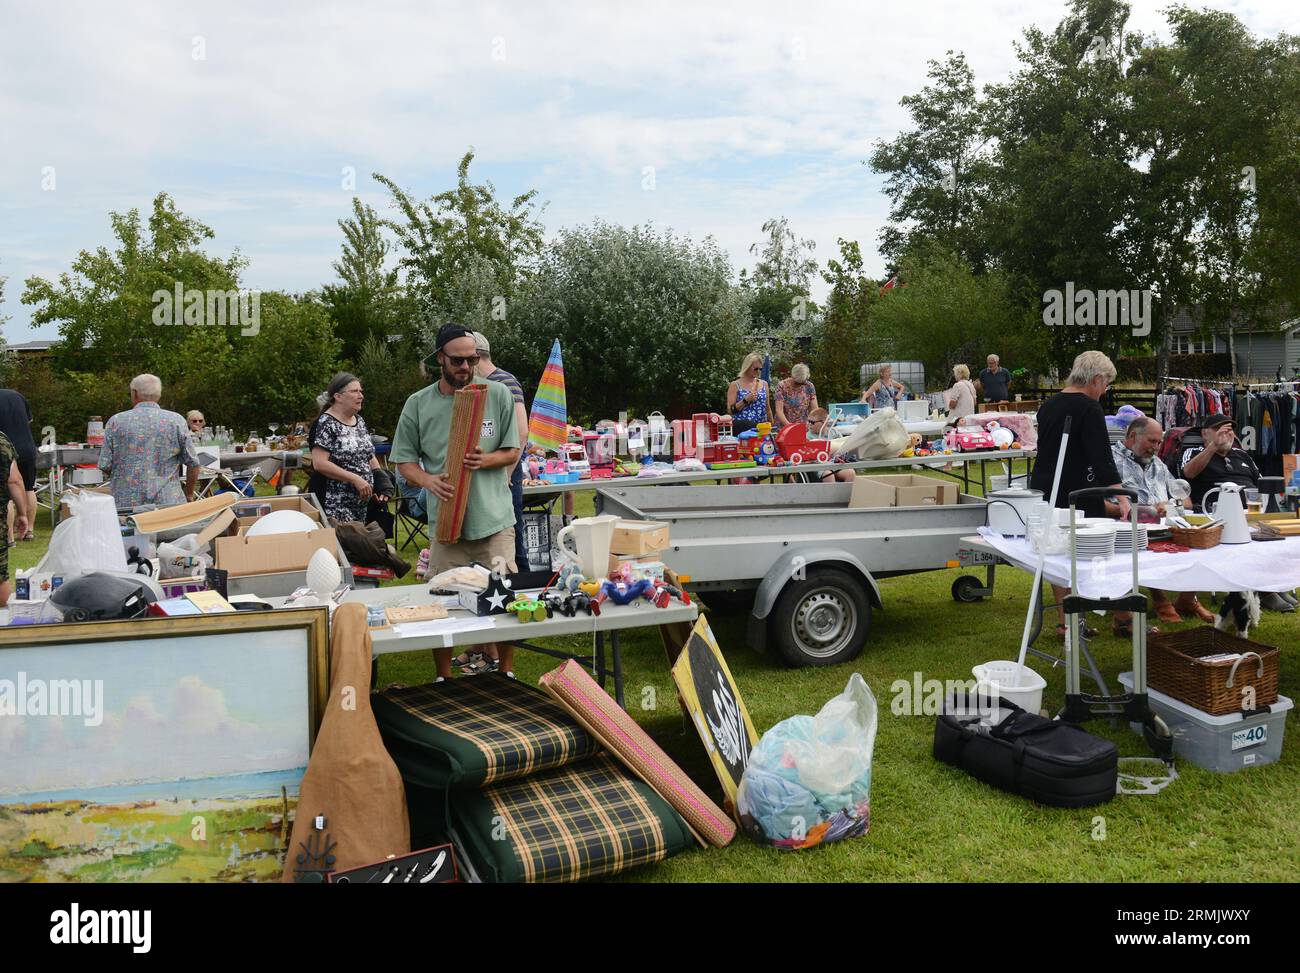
(581, 821)
(469, 732)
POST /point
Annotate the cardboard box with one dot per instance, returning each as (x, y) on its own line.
(242, 555)
(914, 490)
(636, 538)
(868, 491)
(248, 511)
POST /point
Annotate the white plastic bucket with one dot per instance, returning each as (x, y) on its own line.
(1000, 679)
(1001, 481)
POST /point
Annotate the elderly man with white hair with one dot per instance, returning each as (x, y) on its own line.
(145, 449)
(995, 380)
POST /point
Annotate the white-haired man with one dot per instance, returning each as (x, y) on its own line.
(995, 380)
(145, 449)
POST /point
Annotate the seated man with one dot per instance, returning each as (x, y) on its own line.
(1221, 460)
(819, 428)
(1135, 458)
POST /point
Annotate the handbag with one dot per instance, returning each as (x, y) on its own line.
(1047, 761)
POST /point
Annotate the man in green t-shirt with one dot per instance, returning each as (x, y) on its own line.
(420, 443)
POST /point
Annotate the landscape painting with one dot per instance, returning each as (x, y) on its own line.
(169, 758)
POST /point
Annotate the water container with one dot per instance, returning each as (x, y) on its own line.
(95, 431)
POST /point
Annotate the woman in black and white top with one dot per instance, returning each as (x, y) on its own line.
(345, 470)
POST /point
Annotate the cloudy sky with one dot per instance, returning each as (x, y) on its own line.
(704, 117)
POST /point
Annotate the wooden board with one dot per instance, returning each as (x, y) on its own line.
(466, 426)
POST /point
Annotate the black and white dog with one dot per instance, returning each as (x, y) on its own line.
(1239, 611)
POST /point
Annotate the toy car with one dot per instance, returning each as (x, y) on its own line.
(528, 610)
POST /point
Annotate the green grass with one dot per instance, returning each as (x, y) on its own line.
(930, 822)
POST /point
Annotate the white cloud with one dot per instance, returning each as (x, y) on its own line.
(251, 138)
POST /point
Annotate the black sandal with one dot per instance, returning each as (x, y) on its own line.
(467, 660)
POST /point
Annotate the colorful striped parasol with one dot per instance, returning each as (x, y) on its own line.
(548, 426)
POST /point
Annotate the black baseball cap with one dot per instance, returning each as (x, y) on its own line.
(1214, 422)
(448, 332)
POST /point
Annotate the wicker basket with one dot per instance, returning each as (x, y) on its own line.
(1175, 668)
(1197, 537)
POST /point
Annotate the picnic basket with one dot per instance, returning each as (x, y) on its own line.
(1198, 538)
(1176, 667)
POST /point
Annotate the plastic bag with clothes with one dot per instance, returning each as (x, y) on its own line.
(809, 779)
(90, 539)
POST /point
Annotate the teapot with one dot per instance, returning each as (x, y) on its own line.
(1229, 509)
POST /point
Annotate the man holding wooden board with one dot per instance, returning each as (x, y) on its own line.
(424, 432)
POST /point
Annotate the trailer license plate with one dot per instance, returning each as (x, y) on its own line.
(1241, 739)
(971, 558)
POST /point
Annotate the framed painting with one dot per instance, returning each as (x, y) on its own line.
(710, 698)
(157, 749)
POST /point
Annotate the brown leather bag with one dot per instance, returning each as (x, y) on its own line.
(350, 779)
(367, 546)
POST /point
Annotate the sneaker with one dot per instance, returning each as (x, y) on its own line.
(1289, 597)
(438, 679)
(509, 674)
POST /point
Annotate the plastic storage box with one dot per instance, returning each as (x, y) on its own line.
(1220, 743)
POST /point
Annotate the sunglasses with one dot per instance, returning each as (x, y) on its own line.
(458, 360)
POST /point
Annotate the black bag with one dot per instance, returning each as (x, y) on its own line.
(1044, 760)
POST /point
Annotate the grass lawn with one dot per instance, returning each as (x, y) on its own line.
(930, 822)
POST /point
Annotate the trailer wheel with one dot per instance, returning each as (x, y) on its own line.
(966, 589)
(822, 620)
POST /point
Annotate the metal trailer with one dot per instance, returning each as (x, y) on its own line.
(811, 562)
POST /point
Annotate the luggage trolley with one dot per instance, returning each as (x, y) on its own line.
(1135, 706)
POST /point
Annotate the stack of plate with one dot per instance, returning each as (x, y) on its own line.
(1123, 533)
(1095, 540)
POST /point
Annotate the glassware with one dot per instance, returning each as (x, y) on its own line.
(1254, 502)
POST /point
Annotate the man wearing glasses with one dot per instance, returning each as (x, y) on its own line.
(420, 443)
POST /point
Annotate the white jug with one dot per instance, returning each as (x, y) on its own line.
(591, 537)
(1230, 510)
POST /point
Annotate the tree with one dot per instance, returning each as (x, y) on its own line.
(938, 172)
(646, 321)
(1064, 182)
(459, 230)
(779, 287)
(842, 345)
(369, 301)
(104, 307)
(948, 315)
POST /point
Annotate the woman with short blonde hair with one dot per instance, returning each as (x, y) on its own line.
(961, 397)
(795, 397)
(747, 398)
(884, 392)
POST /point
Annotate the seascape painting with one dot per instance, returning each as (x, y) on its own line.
(173, 759)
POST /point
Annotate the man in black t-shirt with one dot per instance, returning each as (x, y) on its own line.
(1220, 460)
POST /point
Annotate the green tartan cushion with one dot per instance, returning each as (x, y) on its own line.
(470, 732)
(581, 821)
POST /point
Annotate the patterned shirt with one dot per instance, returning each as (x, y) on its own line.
(796, 399)
(1151, 479)
(144, 450)
(351, 448)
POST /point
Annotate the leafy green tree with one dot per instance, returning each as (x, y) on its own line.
(388, 375)
(947, 315)
(646, 321)
(369, 299)
(277, 373)
(458, 232)
(938, 172)
(842, 345)
(1063, 187)
(104, 306)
